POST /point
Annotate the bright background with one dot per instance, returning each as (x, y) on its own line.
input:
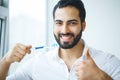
(103, 25)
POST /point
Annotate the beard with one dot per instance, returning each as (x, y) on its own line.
(66, 45)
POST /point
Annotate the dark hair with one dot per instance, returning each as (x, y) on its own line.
(75, 3)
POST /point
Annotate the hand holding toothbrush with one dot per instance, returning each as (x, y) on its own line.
(17, 53)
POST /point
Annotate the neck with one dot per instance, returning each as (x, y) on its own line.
(69, 56)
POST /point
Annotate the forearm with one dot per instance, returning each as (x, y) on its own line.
(4, 67)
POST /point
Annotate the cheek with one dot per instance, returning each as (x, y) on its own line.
(56, 30)
(76, 31)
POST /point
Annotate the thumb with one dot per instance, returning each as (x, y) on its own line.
(87, 55)
(28, 48)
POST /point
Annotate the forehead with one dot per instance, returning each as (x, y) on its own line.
(67, 13)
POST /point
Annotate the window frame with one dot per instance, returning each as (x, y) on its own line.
(4, 29)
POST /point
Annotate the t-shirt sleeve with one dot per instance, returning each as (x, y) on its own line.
(19, 75)
(23, 72)
(115, 68)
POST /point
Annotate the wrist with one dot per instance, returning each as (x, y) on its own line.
(5, 60)
(104, 76)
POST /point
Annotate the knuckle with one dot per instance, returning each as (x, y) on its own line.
(23, 53)
(82, 64)
(17, 44)
(24, 47)
(22, 56)
(14, 48)
(18, 59)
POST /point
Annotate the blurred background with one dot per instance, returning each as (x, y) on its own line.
(30, 22)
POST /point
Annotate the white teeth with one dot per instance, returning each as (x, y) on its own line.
(66, 36)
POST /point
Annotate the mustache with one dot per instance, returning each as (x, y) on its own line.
(67, 34)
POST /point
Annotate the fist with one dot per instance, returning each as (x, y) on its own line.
(87, 69)
(17, 53)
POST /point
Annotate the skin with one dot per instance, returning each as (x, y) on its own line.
(70, 23)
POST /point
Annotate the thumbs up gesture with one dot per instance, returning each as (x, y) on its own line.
(88, 70)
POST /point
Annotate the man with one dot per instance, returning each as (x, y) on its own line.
(73, 60)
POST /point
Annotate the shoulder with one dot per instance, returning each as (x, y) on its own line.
(99, 54)
(102, 56)
(106, 61)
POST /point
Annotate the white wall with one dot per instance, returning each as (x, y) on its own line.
(27, 24)
(103, 28)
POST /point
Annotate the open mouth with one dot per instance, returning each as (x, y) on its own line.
(66, 37)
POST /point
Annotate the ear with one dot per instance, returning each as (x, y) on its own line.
(83, 25)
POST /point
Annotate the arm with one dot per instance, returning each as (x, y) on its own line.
(4, 67)
(16, 54)
(103, 76)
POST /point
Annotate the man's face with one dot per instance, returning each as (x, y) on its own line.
(67, 27)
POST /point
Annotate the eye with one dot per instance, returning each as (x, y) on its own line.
(58, 23)
(73, 23)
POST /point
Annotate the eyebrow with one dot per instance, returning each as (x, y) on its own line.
(67, 21)
(58, 20)
(73, 20)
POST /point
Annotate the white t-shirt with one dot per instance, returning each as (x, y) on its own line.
(49, 66)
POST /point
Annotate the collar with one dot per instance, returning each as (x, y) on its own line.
(56, 52)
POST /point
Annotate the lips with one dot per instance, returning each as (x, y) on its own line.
(66, 38)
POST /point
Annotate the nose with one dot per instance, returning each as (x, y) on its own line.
(65, 29)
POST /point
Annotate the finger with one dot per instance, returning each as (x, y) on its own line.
(17, 59)
(20, 51)
(87, 55)
(28, 49)
(78, 75)
(80, 66)
(23, 47)
(19, 55)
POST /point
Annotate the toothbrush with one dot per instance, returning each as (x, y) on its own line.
(44, 47)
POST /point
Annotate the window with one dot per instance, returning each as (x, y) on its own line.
(3, 27)
(1, 2)
(2, 36)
